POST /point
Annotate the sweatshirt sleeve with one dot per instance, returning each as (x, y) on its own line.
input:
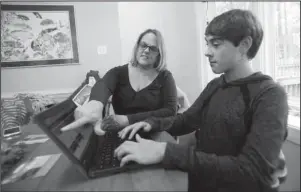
(258, 157)
(105, 87)
(169, 94)
(187, 121)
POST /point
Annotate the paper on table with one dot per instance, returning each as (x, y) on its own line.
(35, 136)
(35, 167)
(33, 139)
(47, 166)
(30, 142)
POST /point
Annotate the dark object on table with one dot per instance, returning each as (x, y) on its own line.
(10, 157)
(30, 173)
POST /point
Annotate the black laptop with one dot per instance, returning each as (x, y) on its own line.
(90, 153)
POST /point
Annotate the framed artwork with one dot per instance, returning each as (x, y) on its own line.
(36, 35)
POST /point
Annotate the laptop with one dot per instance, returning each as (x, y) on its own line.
(90, 153)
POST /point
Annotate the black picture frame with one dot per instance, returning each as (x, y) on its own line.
(68, 40)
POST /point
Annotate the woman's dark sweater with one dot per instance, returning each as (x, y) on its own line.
(158, 99)
(228, 156)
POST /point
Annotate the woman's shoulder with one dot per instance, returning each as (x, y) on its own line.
(165, 77)
(165, 74)
(120, 69)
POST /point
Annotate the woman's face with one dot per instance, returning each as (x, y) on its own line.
(147, 52)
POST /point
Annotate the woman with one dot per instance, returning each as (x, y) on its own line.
(140, 89)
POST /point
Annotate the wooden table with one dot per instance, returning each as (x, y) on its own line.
(64, 176)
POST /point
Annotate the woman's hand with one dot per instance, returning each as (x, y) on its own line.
(90, 112)
(114, 122)
(143, 151)
(134, 128)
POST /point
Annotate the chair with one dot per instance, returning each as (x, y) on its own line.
(183, 102)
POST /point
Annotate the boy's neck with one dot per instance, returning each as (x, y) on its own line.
(240, 71)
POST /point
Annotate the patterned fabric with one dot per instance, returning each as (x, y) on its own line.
(17, 111)
(13, 113)
(39, 102)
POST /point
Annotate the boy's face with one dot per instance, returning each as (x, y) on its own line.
(222, 54)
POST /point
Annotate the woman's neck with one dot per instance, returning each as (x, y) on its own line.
(145, 69)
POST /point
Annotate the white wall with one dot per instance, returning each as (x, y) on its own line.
(96, 24)
(177, 23)
(117, 25)
(134, 18)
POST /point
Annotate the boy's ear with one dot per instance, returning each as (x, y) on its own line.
(245, 44)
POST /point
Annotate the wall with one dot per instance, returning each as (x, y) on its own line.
(101, 27)
(176, 21)
(96, 24)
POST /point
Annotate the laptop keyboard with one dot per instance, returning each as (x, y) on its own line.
(105, 156)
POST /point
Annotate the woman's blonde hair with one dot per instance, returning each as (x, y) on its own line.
(161, 58)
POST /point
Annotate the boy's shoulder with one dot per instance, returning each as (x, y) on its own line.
(256, 87)
(259, 88)
(215, 82)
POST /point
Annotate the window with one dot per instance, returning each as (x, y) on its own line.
(279, 55)
(288, 55)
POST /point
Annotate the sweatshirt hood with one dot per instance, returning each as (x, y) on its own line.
(254, 78)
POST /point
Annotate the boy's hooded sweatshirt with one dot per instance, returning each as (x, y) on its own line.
(230, 156)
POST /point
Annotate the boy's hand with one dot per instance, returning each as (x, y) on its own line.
(133, 129)
(143, 151)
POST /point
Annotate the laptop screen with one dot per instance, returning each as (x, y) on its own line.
(72, 143)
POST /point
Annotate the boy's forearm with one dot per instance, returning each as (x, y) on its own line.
(163, 112)
(175, 125)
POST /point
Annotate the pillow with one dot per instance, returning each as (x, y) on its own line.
(18, 111)
(14, 112)
(37, 102)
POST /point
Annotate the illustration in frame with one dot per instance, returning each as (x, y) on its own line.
(35, 35)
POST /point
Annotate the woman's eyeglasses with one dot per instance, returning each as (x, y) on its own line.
(152, 49)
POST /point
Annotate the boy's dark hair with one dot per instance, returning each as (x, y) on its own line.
(236, 24)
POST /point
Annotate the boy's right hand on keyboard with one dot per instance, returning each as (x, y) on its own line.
(90, 112)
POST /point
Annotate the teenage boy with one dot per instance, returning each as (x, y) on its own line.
(240, 119)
